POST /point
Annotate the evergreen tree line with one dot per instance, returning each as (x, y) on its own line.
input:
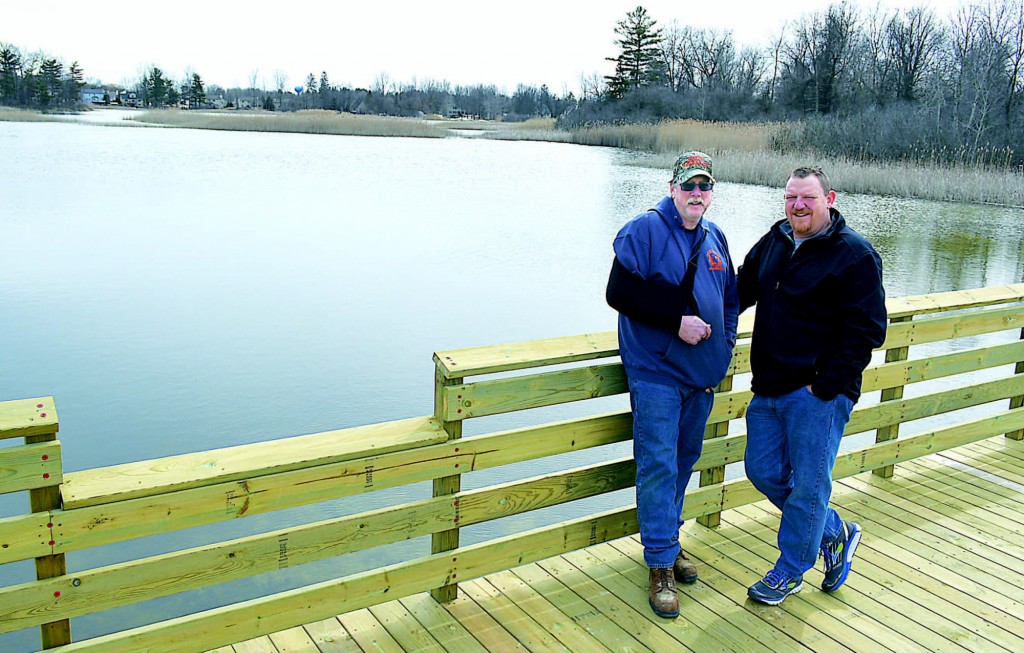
(157, 90)
(883, 85)
(36, 81)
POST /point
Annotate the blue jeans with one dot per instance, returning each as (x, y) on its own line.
(668, 433)
(792, 442)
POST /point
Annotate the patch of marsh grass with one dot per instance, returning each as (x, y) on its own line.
(666, 136)
(900, 179)
(305, 122)
(26, 115)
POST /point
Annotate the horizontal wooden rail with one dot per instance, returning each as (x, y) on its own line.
(532, 391)
(522, 355)
(730, 449)
(499, 396)
(953, 300)
(525, 355)
(174, 473)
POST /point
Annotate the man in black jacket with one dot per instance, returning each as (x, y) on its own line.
(817, 284)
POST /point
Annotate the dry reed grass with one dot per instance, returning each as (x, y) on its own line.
(25, 115)
(666, 136)
(743, 153)
(900, 179)
(305, 122)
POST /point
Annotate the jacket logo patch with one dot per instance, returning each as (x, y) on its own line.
(715, 261)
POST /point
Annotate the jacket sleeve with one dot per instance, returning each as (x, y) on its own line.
(747, 276)
(730, 298)
(731, 304)
(657, 305)
(864, 320)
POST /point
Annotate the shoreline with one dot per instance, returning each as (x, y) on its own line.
(742, 150)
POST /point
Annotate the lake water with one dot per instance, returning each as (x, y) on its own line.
(180, 290)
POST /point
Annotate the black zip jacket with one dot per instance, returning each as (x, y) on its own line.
(820, 310)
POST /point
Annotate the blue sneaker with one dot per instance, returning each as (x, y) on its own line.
(838, 555)
(774, 588)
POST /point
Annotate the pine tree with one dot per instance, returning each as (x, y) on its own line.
(73, 83)
(50, 73)
(10, 74)
(639, 62)
(196, 92)
(157, 88)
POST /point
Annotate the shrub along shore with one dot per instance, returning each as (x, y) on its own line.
(745, 152)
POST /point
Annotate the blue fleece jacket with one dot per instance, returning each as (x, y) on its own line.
(653, 246)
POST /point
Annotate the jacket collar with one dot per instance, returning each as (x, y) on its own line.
(667, 210)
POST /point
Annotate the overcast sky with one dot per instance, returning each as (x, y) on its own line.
(503, 43)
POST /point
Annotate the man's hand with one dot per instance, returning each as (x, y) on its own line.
(692, 329)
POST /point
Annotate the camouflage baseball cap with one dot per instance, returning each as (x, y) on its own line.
(691, 164)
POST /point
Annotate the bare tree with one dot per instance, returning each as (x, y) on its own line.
(280, 81)
(749, 71)
(672, 54)
(709, 56)
(875, 73)
(911, 42)
(253, 77)
(382, 84)
(820, 55)
(776, 50)
(592, 86)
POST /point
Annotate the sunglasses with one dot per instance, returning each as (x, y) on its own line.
(688, 186)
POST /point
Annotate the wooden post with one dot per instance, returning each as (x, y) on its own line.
(445, 540)
(1017, 402)
(892, 431)
(57, 633)
(715, 475)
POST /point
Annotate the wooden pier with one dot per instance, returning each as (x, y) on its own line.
(937, 488)
(940, 568)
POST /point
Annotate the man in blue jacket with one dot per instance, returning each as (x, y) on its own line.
(817, 284)
(672, 282)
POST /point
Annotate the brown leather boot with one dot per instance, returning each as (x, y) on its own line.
(664, 597)
(684, 570)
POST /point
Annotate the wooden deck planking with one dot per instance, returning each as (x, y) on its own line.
(907, 565)
(331, 637)
(940, 568)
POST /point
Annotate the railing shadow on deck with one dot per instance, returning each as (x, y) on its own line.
(76, 511)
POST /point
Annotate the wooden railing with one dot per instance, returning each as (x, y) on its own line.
(134, 500)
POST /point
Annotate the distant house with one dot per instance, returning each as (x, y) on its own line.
(128, 99)
(93, 95)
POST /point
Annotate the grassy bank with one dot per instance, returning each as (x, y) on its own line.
(24, 115)
(305, 122)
